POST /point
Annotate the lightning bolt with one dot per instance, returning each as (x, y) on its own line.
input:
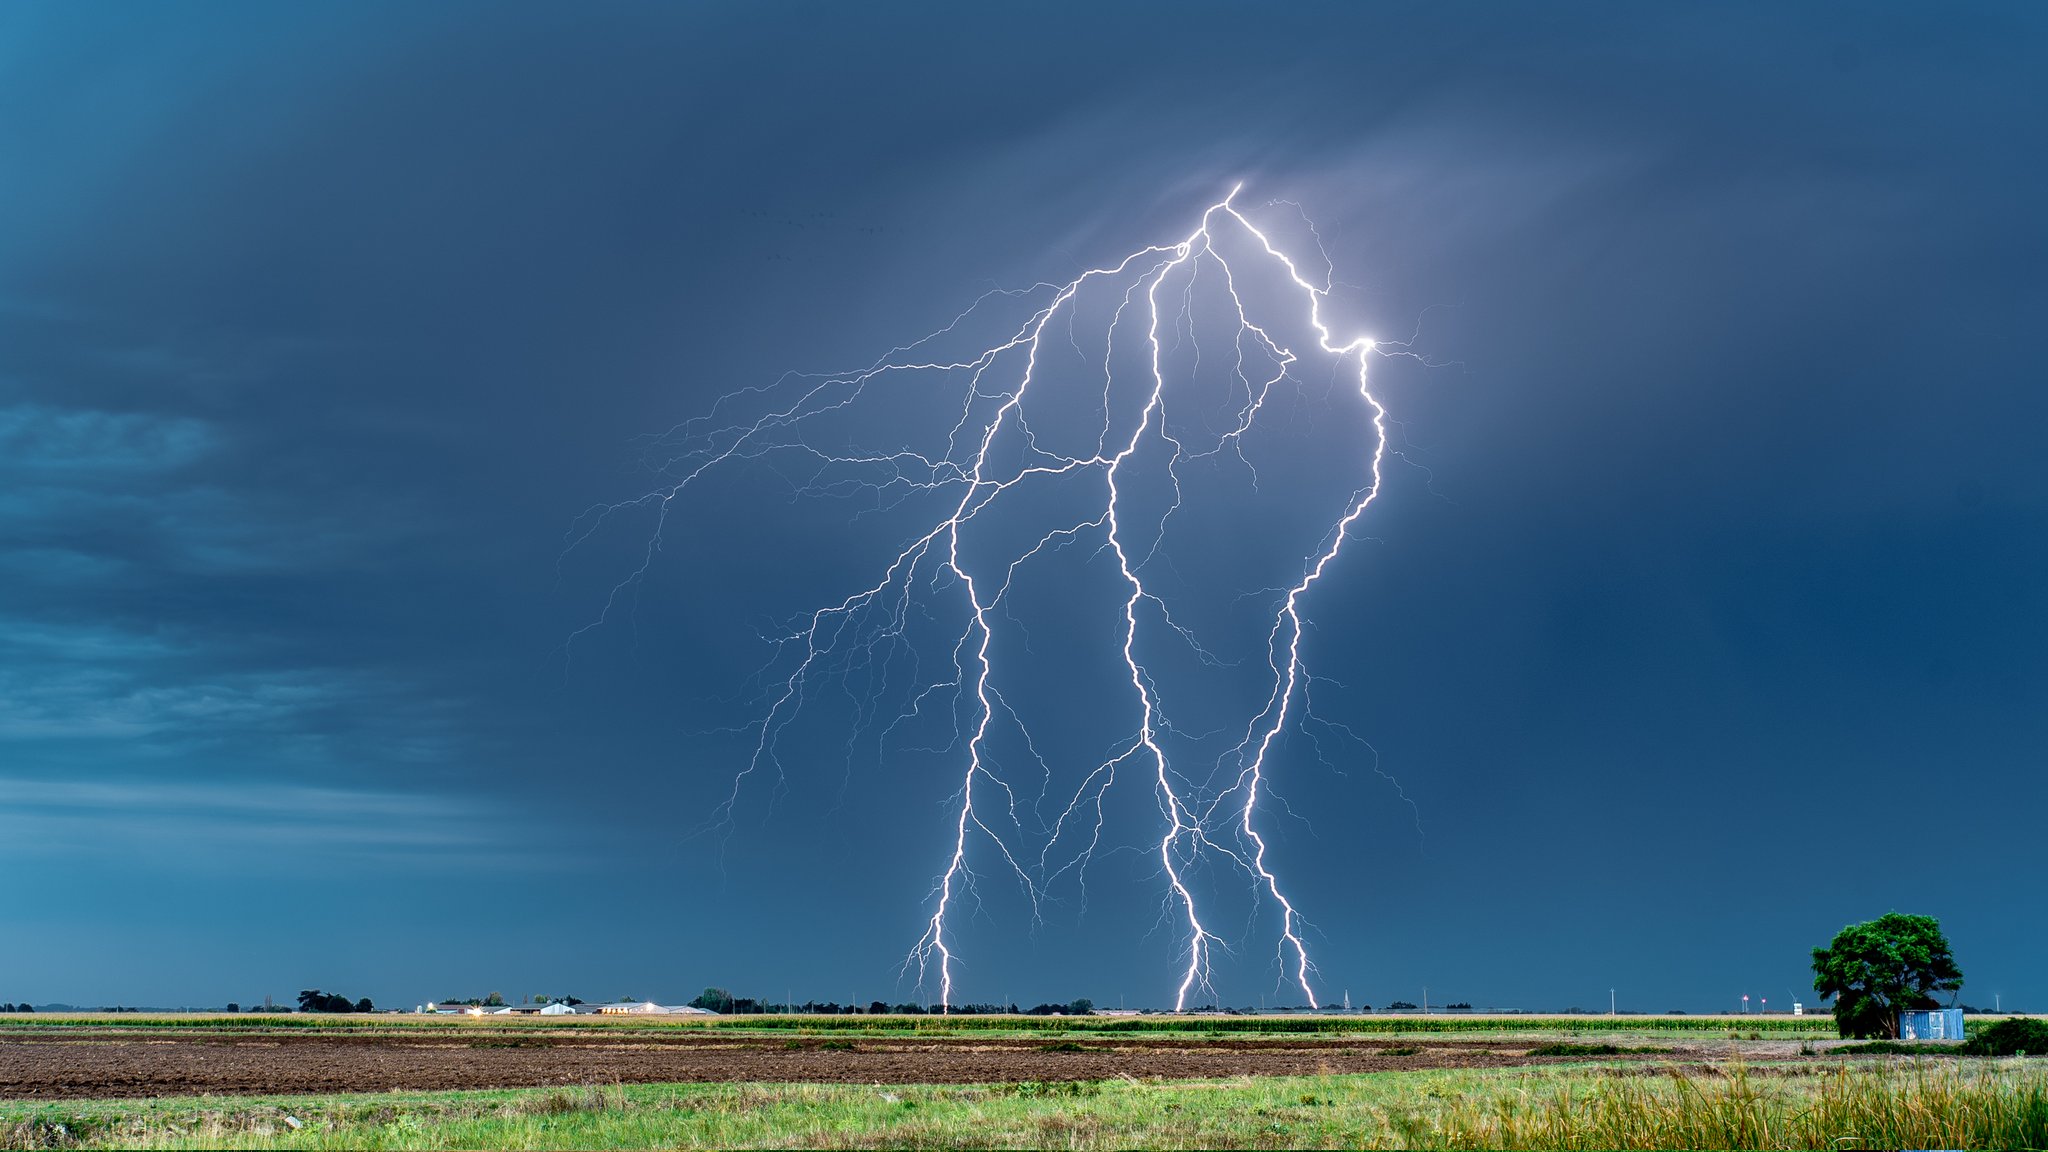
(869, 640)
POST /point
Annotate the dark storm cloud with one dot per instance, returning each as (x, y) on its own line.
(319, 327)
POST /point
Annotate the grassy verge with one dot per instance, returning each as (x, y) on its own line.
(1952, 1104)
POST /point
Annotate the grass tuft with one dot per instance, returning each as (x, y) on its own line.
(559, 1101)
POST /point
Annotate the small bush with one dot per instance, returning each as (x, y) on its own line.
(38, 1133)
(836, 1046)
(1577, 1050)
(1066, 1046)
(2012, 1036)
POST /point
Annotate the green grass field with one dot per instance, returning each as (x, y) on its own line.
(1952, 1104)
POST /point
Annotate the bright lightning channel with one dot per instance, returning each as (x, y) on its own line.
(862, 630)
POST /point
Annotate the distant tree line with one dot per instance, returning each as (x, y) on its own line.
(721, 1001)
(17, 1007)
(314, 1000)
(1081, 1007)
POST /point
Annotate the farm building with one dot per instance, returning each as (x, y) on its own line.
(551, 1009)
(649, 1008)
(623, 1008)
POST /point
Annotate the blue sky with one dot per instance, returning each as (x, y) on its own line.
(1712, 564)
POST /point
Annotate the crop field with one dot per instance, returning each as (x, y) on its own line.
(1524, 1081)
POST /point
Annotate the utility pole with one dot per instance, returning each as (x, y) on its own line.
(1425, 999)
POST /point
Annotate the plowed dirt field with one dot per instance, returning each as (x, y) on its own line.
(113, 1063)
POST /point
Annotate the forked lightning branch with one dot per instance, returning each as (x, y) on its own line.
(998, 446)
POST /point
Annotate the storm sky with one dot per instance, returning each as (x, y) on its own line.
(1704, 610)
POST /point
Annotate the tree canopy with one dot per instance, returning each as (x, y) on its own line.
(1877, 969)
(713, 1000)
(314, 1000)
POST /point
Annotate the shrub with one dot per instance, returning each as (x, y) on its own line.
(2010, 1037)
(1576, 1050)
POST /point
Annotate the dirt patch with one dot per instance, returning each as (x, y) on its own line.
(115, 1064)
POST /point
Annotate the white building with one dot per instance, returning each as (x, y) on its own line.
(650, 1008)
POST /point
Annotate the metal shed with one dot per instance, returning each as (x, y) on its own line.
(1931, 1024)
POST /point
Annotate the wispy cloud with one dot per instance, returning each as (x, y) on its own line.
(40, 439)
(198, 821)
(139, 695)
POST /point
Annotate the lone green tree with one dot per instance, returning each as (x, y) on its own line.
(1879, 968)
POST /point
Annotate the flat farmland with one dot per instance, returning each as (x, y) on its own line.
(132, 1080)
(126, 1055)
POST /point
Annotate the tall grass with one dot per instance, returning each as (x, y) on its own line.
(1987, 1104)
(1895, 1106)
